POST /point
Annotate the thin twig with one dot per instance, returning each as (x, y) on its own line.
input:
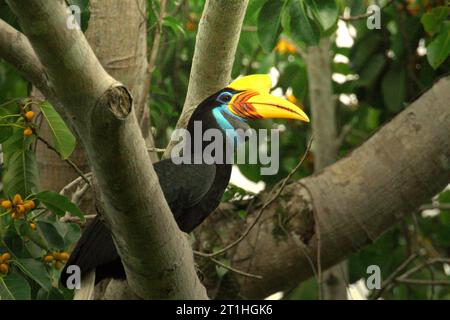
(388, 282)
(319, 255)
(77, 219)
(152, 149)
(70, 162)
(364, 15)
(260, 212)
(439, 206)
(157, 38)
(242, 273)
(73, 183)
(424, 282)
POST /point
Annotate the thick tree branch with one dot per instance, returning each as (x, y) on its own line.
(356, 199)
(156, 255)
(323, 111)
(215, 48)
(18, 52)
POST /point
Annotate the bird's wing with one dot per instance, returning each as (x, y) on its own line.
(183, 187)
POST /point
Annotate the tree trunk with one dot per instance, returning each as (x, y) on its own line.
(215, 48)
(353, 202)
(156, 255)
(325, 149)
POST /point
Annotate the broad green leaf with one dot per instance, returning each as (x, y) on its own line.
(53, 294)
(174, 24)
(58, 204)
(14, 287)
(433, 20)
(16, 142)
(35, 270)
(393, 88)
(63, 139)
(371, 71)
(51, 234)
(439, 49)
(269, 24)
(72, 235)
(303, 28)
(326, 12)
(5, 132)
(21, 174)
(25, 231)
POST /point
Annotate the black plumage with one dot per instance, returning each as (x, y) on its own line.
(192, 192)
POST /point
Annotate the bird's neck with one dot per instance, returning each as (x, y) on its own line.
(208, 140)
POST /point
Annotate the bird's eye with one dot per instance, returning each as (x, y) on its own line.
(225, 97)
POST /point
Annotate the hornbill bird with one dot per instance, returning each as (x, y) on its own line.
(192, 191)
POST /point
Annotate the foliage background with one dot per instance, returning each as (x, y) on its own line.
(373, 80)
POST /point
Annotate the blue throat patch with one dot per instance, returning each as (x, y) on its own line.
(224, 124)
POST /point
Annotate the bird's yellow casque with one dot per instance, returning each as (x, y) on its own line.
(254, 100)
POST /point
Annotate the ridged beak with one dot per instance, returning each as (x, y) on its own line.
(253, 100)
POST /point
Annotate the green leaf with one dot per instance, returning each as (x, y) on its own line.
(439, 49)
(59, 204)
(393, 88)
(174, 24)
(16, 142)
(21, 174)
(25, 231)
(35, 270)
(269, 24)
(53, 294)
(326, 12)
(14, 287)
(5, 133)
(51, 234)
(303, 28)
(433, 20)
(63, 139)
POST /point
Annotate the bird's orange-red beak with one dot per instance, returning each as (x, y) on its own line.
(253, 100)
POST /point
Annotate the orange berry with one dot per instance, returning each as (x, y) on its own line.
(27, 132)
(64, 256)
(14, 216)
(4, 268)
(29, 115)
(58, 265)
(6, 256)
(57, 255)
(6, 204)
(29, 204)
(20, 209)
(17, 199)
(33, 226)
(48, 259)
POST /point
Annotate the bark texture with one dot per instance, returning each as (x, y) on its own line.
(325, 148)
(100, 110)
(354, 201)
(217, 40)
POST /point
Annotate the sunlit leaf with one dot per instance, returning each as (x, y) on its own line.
(63, 139)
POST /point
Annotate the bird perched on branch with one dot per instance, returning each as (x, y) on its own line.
(194, 190)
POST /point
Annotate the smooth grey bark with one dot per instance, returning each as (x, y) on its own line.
(100, 110)
(215, 48)
(325, 148)
(353, 201)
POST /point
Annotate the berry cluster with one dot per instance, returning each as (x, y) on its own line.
(4, 262)
(58, 259)
(19, 208)
(28, 116)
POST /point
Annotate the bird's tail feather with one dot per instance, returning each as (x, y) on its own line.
(86, 291)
